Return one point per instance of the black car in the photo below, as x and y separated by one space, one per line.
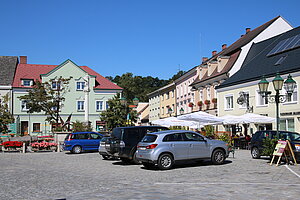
256 144
124 140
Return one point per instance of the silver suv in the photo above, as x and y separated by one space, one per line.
165 147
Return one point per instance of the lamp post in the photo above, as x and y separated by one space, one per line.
278 82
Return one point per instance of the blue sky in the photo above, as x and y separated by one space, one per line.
145 37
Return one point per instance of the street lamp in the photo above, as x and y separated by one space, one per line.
278 82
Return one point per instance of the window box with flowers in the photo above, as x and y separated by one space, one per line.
43 146
191 104
207 102
200 104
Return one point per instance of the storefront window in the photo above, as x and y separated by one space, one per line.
287 124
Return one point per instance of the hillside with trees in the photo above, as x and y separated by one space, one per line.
140 87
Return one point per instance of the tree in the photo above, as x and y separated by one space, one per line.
47 97
5 116
117 114
81 126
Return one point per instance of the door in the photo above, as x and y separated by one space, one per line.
24 127
198 146
94 140
177 145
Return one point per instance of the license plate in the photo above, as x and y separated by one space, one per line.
142 148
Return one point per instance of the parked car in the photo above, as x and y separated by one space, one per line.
104 148
256 143
165 148
82 141
124 141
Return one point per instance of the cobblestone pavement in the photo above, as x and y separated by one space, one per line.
87 176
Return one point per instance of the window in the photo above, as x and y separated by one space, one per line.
55 85
99 105
149 138
80 105
24 105
261 101
27 82
208 93
173 137
163 109
193 137
167 95
80 85
95 136
228 102
162 97
36 127
107 106
201 95
287 124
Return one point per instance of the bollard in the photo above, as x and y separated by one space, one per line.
58 147
24 147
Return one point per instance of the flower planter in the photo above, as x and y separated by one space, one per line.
43 146
12 146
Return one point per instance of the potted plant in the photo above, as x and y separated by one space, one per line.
207 102
200 103
191 104
214 100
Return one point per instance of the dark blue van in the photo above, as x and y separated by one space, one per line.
82 141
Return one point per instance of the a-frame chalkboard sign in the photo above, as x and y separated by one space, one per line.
283 148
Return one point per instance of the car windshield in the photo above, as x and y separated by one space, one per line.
294 136
149 138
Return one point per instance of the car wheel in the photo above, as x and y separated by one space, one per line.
148 165
134 160
105 157
165 161
255 153
218 157
77 149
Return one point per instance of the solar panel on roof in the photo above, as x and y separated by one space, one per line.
286 44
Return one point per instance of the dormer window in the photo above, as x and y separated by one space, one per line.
27 82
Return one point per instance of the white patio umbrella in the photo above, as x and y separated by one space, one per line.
246 119
256 118
173 121
232 119
202 118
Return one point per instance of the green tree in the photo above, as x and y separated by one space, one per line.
117 114
78 126
268 146
5 116
47 97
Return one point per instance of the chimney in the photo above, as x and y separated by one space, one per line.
204 59
248 30
23 59
213 53
224 46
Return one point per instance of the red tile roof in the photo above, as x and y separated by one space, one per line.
34 71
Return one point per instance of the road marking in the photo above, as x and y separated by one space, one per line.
269 184
292 171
